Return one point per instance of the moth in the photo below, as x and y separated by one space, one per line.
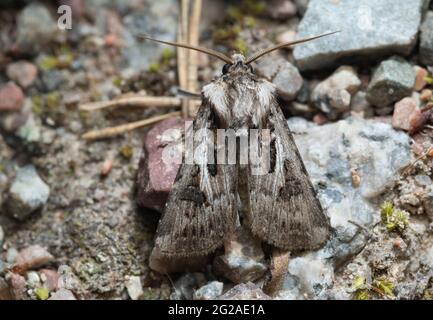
280 207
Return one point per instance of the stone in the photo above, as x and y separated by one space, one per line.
360 104
286 36
49 279
67 279
27 193
62 294
159 163
33 279
185 285
33 257
245 291
312 274
393 80
420 81
134 287
22 72
426 95
5 292
158 18
243 259
333 95
369 29
281 9
210 291
406 112
281 73
11 97
426 42
11 255
35 28
17 285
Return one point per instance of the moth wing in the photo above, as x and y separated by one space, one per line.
201 208
283 209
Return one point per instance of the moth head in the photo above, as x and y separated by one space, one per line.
238 65
237 61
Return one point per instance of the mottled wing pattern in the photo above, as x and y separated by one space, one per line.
283 208
201 208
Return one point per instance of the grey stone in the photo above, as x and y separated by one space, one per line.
369 28
392 80
359 103
27 193
333 95
33 280
426 42
243 259
210 291
36 27
245 291
11 255
281 73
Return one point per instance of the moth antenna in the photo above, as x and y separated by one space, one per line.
259 54
210 52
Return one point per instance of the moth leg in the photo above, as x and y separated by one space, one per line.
277 271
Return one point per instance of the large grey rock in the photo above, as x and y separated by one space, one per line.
36 28
331 153
393 80
369 28
426 43
27 193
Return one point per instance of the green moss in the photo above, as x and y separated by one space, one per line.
42 293
117 81
361 295
429 79
393 219
383 286
37 104
250 22
154 67
254 7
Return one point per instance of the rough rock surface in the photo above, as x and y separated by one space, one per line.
393 80
369 28
426 42
245 291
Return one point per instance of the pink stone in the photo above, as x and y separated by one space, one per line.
11 97
22 72
49 278
320 119
420 82
405 111
157 170
17 285
33 257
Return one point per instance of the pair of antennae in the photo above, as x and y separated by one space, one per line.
225 58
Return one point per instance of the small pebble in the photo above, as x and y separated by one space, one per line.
134 287
11 255
33 279
106 167
426 95
421 74
22 72
11 97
